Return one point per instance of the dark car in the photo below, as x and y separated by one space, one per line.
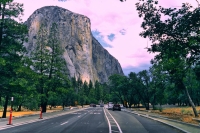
116 107
92 105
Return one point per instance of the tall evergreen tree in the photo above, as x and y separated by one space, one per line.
41 59
57 65
49 63
12 37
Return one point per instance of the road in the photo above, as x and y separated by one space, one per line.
93 120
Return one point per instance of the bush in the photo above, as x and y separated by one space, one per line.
186 112
160 109
182 111
32 105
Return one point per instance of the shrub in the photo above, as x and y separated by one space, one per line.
160 109
182 111
188 112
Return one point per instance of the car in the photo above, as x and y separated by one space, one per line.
110 105
116 107
101 105
92 105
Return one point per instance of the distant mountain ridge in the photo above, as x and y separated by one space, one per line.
85 56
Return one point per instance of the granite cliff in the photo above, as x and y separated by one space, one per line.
85 56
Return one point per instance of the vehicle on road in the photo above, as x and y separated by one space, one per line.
110 105
101 105
92 105
116 107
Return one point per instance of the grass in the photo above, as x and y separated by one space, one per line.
27 112
184 114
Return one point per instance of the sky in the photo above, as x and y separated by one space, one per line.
114 24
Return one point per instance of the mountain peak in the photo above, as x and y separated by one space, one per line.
85 56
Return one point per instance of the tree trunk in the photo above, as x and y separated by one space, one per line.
138 105
147 106
122 102
197 102
191 103
19 107
63 105
5 107
44 107
129 104
153 105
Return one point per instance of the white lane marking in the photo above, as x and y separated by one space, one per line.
36 120
79 116
108 121
64 123
115 122
115 131
75 113
96 113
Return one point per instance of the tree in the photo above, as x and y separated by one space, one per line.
145 80
48 63
135 87
117 84
57 64
158 85
12 36
74 84
41 60
179 33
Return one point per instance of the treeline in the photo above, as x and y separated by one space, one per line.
152 87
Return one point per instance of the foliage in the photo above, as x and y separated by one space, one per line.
179 33
12 36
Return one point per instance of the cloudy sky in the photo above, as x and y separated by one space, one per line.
114 24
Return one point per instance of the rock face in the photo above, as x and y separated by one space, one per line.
85 56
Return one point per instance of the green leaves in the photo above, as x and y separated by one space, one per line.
175 39
49 64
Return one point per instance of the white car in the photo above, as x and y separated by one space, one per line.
110 105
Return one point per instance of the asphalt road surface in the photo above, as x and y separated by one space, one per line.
94 120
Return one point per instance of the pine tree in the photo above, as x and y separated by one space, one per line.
41 58
12 36
48 63
57 66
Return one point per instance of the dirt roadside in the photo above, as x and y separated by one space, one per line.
184 114
25 112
